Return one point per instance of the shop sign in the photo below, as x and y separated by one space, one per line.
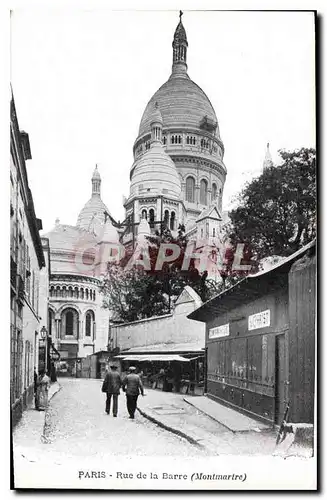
259 320
219 331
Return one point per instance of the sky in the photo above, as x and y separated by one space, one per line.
82 78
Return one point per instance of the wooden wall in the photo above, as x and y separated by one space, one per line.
302 312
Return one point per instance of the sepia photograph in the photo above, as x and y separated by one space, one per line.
163 288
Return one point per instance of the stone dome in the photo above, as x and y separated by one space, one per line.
92 214
182 103
155 173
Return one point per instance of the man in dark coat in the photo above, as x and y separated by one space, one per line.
133 386
112 384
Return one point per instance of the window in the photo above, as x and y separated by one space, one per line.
144 214
214 192
164 141
172 221
69 323
151 216
190 140
88 325
166 218
190 189
203 192
207 229
213 232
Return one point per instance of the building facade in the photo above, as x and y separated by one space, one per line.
26 264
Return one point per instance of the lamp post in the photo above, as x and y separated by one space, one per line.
44 336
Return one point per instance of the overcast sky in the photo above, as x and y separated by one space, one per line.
82 79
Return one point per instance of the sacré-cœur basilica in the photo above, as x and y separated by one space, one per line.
177 177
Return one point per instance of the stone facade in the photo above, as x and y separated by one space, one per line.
26 264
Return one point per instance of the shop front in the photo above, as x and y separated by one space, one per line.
169 372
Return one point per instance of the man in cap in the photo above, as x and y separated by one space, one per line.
133 386
111 385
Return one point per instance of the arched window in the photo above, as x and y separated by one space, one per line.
151 217
70 292
203 192
69 323
87 294
82 293
89 324
144 214
213 232
190 189
76 293
166 218
179 140
172 221
214 192
164 140
64 292
172 139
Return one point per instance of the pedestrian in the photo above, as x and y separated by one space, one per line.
42 391
132 385
111 386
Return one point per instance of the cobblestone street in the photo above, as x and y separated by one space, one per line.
76 425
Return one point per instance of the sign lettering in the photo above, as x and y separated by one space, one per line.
219 331
259 320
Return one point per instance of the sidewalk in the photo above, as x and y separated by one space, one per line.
29 430
185 416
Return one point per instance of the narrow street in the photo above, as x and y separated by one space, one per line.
77 426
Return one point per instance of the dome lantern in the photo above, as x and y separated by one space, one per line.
179 48
96 182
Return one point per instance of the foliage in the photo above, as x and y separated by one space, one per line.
277 211
138 293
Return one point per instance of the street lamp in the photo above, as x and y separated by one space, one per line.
44 336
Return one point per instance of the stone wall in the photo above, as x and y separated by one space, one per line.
170 329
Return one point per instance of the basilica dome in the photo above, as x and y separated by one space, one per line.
182 104
92 216
155 173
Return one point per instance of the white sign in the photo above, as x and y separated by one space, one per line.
219 331
259 320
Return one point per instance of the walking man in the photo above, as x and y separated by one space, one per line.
111 385
133 386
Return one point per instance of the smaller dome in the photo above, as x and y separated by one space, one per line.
155 173
92 214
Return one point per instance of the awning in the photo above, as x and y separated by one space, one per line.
153 357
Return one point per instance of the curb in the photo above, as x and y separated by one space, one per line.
209 416
44 439
170 429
